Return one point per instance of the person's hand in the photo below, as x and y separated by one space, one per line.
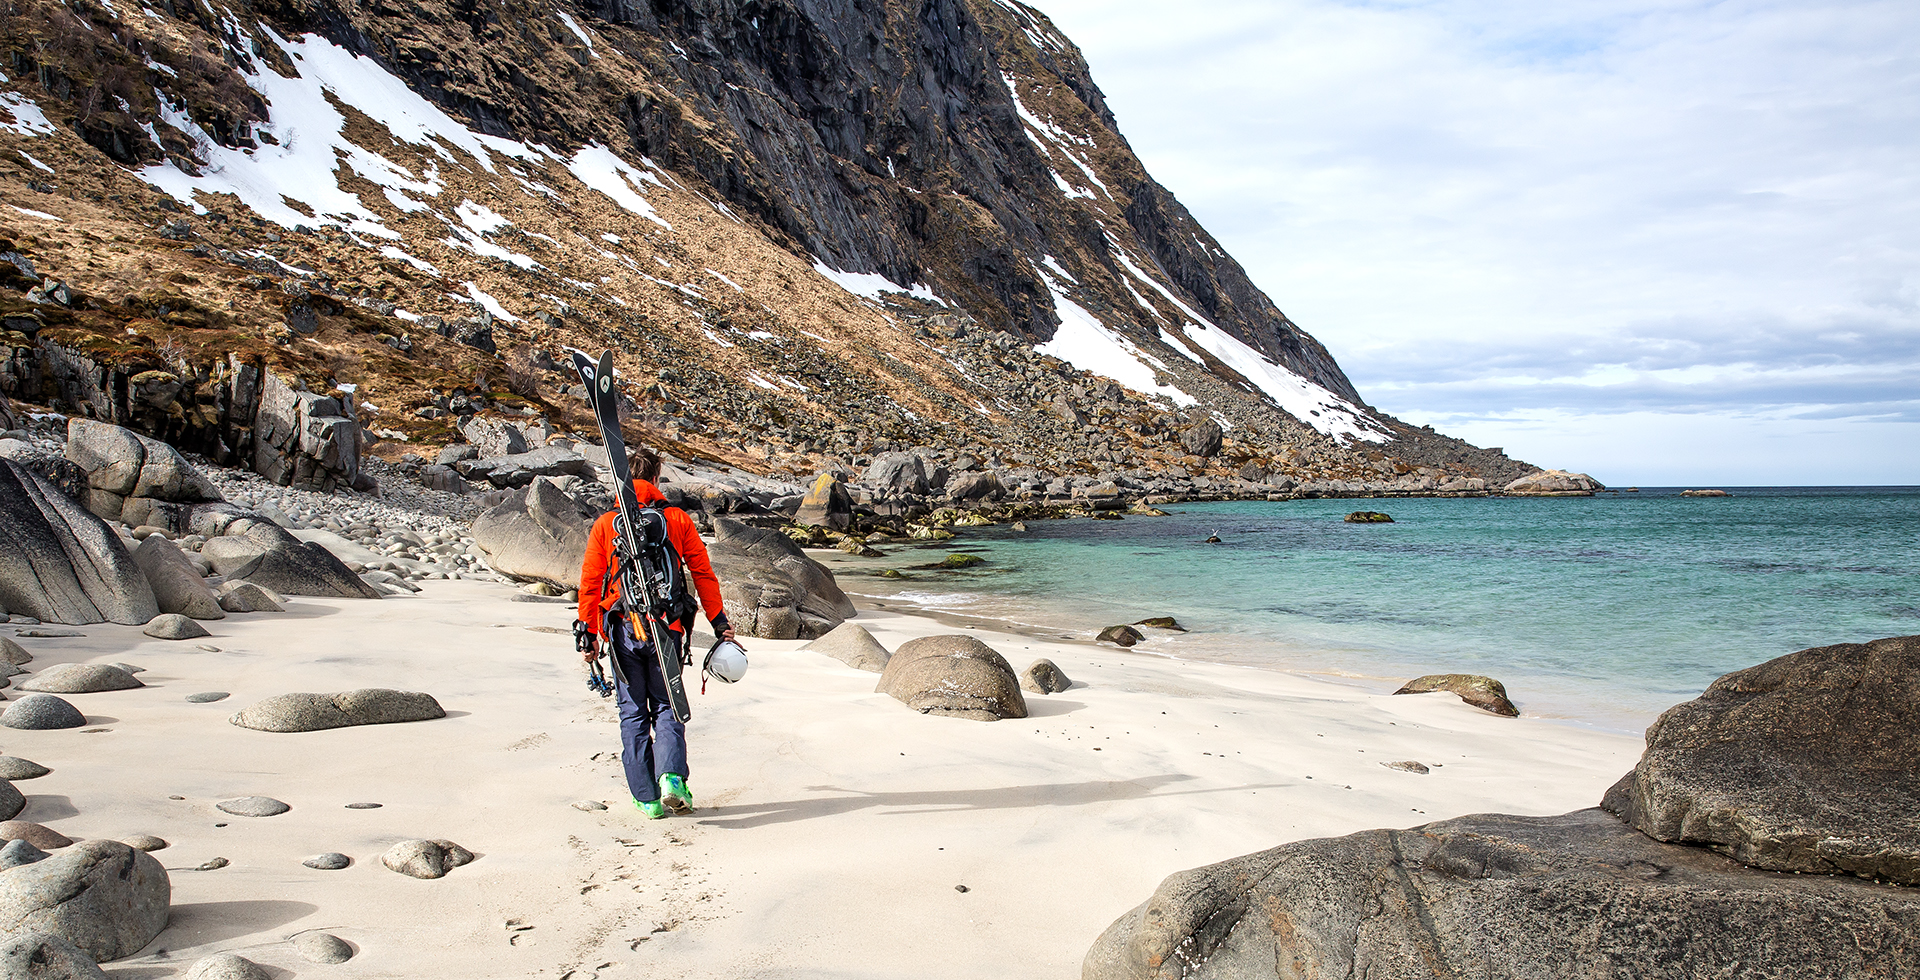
727 634
590 649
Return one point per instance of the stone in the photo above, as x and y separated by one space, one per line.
321 947
317 712
514 472
226 966
18 852
145 842
1805 763
970 487
41 712
14 768
425 858
1125 636
243 596
14 653
1554 483
62 564
1480 691
213 864
1368 517
80 679
125 464
33 833
771 588
1203 439
207 697
253 806
1162 623
100 895
851 644
493 437
1043 677
897 473
267 555
957 676
450 455
39 956
177 585
1580 895
540 534
588 805
444 479
330 861
11 801
959 561
173 626
1408 765
827 504
1705 493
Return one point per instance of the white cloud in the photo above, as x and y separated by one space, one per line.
1600 217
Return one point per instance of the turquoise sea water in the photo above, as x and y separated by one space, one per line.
1603 610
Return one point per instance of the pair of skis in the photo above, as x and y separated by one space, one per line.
646 597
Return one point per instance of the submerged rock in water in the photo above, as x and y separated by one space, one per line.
1478 690
1125 636
1368 517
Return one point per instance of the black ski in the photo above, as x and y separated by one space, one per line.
645 590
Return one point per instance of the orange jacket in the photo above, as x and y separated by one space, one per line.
600 588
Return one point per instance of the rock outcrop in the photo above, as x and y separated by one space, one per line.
305 440
62 564
1806 763
539 535
316 712
1545 898
267 555
956 676
128 470
1554 483
100 895
1478 690
772 589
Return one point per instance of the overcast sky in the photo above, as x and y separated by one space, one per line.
1661 242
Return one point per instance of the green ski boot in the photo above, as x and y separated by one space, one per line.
652 809
674 793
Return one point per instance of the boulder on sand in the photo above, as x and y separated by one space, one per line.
540 534
100 895
177 585
81 679
14 653
39 956
62 564
1043 677
1125 636
772 589
42 712
267 555
173 626
317 712
425 858
1480 691
226 966
851 644
953 675
242 596
1577 895
1805 763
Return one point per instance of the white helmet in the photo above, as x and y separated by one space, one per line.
726 661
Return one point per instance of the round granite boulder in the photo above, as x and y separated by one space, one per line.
14 653
953 675
1043 677
322 947
226 966
33 833
317 712
253 806
42 712
80 679
174 626
100 895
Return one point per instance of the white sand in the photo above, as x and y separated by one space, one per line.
834 822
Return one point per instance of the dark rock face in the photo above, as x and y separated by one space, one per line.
62 564
1804 763
958 676
100 895
1482 692
1580 895
827 504
1125 636
513 472
540 535
316 712
122 465
265 554
1202 440
770 586
303 439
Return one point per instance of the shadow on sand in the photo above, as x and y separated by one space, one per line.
747 815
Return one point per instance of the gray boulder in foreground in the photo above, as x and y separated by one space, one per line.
316 712
38 956
851 644
242 596
1043 676
62 564
1581 896
1809 762
957 676
42 712
100 895
174 626
540 534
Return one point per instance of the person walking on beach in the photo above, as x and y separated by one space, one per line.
653 742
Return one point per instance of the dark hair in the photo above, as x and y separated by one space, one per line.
643 464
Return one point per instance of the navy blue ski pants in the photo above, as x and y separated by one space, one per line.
653 741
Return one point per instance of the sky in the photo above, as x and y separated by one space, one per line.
1663 243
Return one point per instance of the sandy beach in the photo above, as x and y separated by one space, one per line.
835 826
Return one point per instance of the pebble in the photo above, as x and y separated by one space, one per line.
253 806
145 842
330 861
214 865
1407 766
320 947
363 806
589 805
205 697
209 648
13 768
42 712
